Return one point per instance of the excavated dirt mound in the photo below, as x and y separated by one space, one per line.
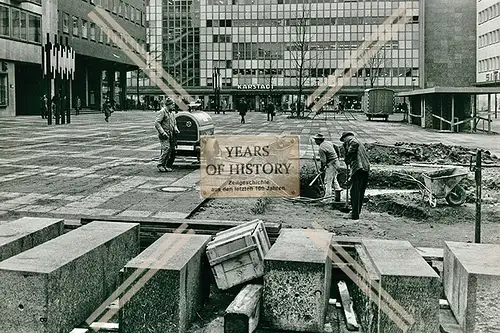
402 153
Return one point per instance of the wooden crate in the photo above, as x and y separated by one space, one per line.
237 255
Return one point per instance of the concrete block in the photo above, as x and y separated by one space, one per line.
410 282
297 279
57 285
27 232
176 286
472 285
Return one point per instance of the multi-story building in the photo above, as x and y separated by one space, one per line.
20 56
272 47
101 65
488 43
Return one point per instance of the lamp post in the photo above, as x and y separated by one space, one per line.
216 78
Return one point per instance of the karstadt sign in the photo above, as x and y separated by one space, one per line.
255 86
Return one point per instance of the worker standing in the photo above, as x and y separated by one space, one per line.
166 126
357 160
330 163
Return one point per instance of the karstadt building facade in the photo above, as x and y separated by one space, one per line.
259 46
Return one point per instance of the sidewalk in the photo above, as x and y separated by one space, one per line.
91 167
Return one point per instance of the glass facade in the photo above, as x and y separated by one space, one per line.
278 43
488 42
271 40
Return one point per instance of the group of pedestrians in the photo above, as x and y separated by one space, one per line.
358 166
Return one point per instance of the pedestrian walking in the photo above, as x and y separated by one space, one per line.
108 109
44 106
243 108
271 111
166 126
329 155
78 105
357 160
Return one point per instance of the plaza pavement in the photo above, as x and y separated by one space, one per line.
91 167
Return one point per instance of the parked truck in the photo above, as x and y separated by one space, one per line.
378 103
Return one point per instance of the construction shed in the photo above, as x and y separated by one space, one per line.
449 109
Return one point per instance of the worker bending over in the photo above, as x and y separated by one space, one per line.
330 163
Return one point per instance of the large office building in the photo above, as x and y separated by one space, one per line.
101 64
488 43
20 56
267 48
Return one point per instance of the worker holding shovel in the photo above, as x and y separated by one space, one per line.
329 157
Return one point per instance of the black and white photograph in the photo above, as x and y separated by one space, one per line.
249 166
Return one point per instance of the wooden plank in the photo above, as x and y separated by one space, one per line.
177 222
231 255
104 327
350 316
448 323
242 315
429 253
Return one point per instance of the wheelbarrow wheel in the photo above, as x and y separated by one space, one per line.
457 196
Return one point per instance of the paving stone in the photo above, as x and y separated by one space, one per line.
472 285
409 281
169 300
58 284
27 232
297 278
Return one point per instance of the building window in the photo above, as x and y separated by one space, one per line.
127 9
92 31
99 35
4 21
65 23
85 27
132 14
4 101
75 26
137 16
18 24
34 29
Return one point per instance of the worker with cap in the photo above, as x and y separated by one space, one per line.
357 160
329 157
166 126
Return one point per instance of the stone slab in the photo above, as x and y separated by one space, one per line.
471 277
27 232
409 281
179 283
58 284
297 279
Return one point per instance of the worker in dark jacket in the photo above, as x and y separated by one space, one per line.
356 159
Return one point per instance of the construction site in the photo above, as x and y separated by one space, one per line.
93 239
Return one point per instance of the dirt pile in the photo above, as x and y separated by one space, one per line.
402 153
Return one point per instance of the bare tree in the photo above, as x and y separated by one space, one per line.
301 53
373 66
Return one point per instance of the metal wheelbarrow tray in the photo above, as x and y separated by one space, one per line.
441 184
445 184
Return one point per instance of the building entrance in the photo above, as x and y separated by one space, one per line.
28 89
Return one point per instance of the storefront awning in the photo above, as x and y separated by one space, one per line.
451 90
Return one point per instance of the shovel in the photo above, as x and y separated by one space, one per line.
346 208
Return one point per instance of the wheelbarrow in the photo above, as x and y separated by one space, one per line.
440 184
